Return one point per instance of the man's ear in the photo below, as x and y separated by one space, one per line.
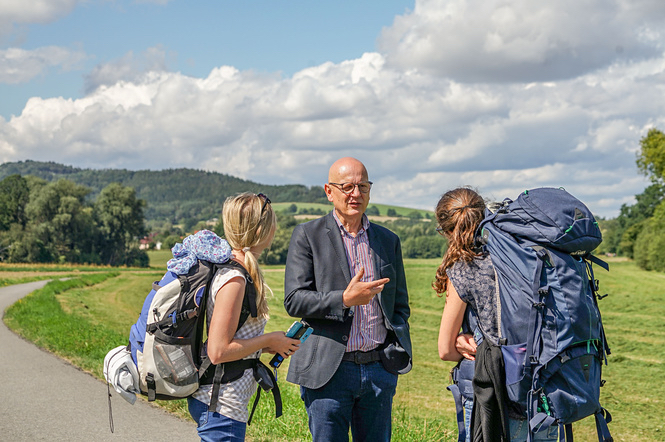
328 190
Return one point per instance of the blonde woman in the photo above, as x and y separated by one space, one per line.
249 228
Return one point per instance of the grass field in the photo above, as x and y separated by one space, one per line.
82 318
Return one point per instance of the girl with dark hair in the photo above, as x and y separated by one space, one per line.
466 276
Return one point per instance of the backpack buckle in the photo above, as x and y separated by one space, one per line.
533 359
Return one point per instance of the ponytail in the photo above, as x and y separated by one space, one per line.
458 212
248 221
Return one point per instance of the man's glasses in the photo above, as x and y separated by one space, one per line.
265 199
348 188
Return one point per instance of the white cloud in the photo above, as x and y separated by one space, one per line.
34 11
20 65
421 129
522 40
127 68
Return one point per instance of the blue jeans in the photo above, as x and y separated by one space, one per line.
468 408
517 428
359 396
212 426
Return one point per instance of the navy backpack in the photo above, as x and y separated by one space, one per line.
550 329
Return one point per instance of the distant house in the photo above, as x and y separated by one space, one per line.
148 242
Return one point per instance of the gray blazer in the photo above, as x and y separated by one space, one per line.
317 274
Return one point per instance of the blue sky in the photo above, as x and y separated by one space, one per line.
501 95
195 37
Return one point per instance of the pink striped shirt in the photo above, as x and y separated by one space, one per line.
368 330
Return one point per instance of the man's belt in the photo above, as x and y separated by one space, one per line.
362 357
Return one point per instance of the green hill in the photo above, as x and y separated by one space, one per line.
172 194
177 195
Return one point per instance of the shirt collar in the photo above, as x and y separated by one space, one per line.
363 228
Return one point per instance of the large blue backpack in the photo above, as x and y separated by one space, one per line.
551 333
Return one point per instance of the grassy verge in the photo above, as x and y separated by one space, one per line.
41 319
83 318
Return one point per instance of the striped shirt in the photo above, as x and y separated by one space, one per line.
368 330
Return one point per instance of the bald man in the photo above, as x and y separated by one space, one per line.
344 275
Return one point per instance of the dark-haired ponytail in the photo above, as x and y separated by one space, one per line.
458 212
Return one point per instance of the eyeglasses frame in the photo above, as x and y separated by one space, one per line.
354 187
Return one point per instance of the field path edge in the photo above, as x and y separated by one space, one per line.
45 398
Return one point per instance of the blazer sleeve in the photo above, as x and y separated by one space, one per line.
311 286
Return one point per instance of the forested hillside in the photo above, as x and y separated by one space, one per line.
639 230
173 195
50 212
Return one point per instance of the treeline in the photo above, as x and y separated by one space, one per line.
639 230
174 195
55 222
419 239
55 213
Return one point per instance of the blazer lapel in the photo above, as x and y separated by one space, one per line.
338 245
376 251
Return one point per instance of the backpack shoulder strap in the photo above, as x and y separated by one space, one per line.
214 374
598 261
249 301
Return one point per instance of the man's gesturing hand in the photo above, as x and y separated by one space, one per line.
361 293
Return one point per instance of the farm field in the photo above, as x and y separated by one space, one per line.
82 318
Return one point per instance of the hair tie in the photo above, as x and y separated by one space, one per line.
245 249
463 207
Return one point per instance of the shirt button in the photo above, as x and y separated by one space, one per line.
345 338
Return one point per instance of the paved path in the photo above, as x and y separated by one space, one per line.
44 398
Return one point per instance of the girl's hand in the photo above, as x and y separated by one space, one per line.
466 346
279 343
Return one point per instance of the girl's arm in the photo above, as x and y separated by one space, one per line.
451 322
222 347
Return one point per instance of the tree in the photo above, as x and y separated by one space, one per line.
621 237
59 220
372 211
276 253
119 218
14 196
414 214
651 158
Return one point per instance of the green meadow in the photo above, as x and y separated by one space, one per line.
83 317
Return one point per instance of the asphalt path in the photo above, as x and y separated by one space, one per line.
45 398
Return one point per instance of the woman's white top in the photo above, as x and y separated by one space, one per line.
234 396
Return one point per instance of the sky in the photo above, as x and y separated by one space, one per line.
500 95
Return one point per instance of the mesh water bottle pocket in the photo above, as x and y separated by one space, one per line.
175 364
518 383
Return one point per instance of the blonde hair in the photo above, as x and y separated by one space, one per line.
249 220
458 212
